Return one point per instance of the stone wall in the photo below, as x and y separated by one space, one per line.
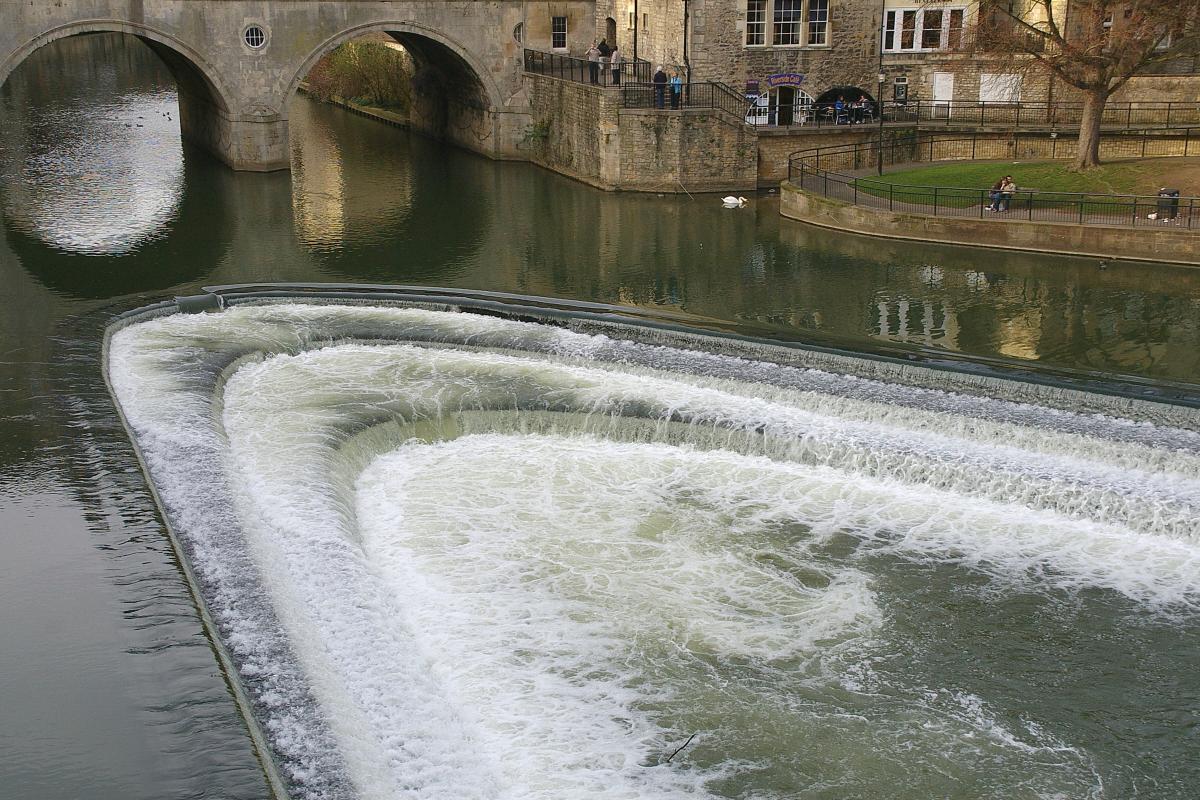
1160 89
776 145
1143 244
696 150
660 29
582 131
718 51
565 133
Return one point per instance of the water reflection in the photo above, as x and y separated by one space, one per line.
355 198
370 203
96 195
101 183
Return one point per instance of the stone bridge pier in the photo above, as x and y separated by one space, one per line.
238 63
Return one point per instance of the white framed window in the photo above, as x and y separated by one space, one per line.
793 23
756 23
922 29
787 22
558 33
818 22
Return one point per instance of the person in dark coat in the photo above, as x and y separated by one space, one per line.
660 88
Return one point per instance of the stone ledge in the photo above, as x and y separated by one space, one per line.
1171 246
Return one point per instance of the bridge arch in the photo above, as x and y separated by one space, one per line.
193 74
406 30
462 99
207 105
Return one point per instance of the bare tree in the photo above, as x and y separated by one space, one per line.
1092 45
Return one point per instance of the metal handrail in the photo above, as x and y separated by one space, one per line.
1129 115
805 171
573 68
698 94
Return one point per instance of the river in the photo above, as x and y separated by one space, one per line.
109 687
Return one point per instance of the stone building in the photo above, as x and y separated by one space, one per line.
791 52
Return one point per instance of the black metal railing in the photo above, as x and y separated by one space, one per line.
581 70
927 114
704 94
826 171
1126 115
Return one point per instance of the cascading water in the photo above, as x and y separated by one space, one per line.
456 556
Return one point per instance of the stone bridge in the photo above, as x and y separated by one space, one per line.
238 63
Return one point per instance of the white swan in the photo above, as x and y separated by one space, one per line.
734 202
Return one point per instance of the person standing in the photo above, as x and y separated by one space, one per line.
616 59
593 57
605 52
660 87
676 89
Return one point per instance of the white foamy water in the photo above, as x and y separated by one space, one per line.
476 558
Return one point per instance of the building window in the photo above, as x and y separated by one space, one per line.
756 22
922 29
787 22
254 36
818 21
794 23
954 34
931 29
558 33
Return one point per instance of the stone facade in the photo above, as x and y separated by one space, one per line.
718 51
582 131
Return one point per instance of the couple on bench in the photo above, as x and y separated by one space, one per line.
1002 192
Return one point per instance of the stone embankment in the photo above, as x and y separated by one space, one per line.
1165 243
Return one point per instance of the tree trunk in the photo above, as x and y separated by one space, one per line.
1089 129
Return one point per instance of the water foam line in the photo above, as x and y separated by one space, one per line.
911 365
229 673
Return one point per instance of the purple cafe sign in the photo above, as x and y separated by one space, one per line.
785 79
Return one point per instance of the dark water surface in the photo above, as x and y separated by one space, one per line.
108 687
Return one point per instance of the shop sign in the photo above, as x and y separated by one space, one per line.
785 79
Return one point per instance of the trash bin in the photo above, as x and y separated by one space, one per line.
1168 203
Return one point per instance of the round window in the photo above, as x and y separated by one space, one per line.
254 36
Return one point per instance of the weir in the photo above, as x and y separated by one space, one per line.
476 555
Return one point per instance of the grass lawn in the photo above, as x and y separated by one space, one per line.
1136 176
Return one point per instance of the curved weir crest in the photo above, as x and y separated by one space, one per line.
457 556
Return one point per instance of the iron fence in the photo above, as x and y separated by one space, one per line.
704 94
821 171
1129 115
929 114
580 70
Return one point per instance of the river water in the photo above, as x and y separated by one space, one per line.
109 686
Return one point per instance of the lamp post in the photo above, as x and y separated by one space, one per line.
687 67
881 76
879 102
